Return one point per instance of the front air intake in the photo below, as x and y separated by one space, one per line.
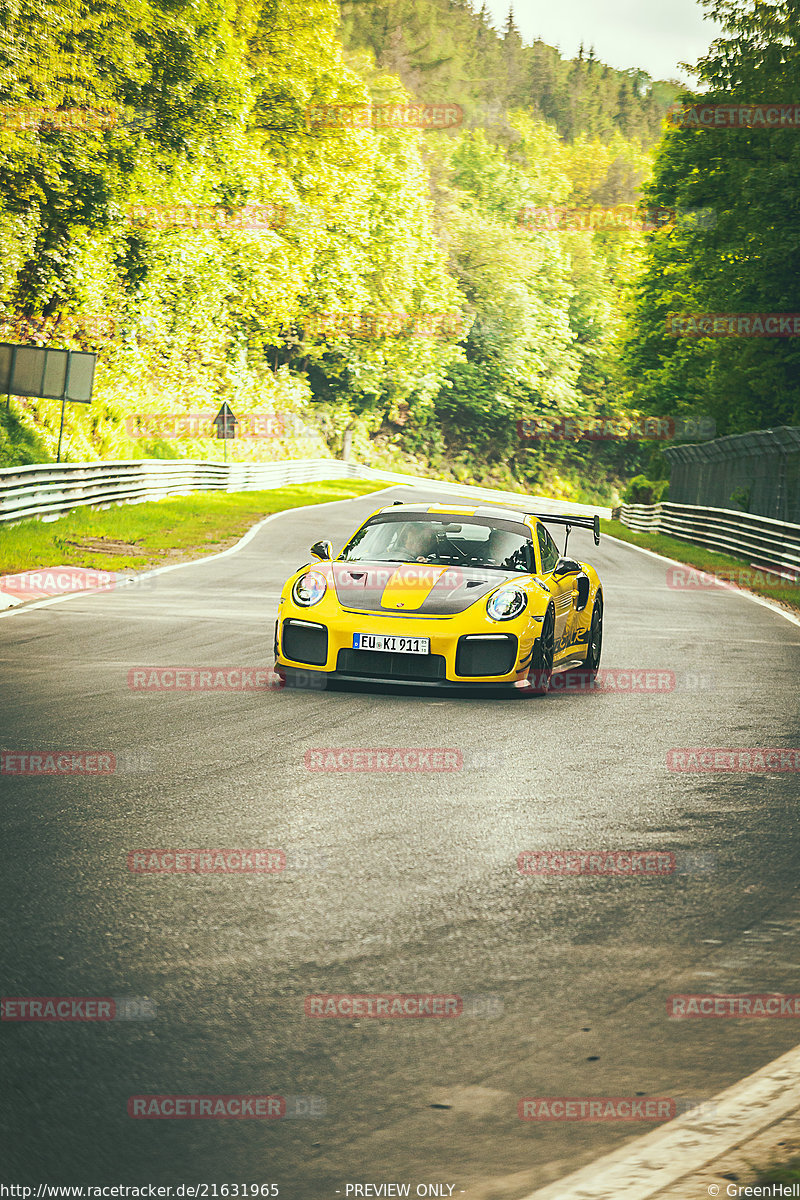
486 654
305 642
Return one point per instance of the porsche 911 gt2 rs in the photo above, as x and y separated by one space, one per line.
444 596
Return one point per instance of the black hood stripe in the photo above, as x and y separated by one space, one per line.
361 586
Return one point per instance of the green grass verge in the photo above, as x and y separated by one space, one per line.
735 570
788 1172
158 532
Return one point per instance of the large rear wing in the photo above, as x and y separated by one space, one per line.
571 523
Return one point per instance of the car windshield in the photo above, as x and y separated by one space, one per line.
468 541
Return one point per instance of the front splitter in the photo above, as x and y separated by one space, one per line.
304 677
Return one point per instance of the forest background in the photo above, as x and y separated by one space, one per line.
388 217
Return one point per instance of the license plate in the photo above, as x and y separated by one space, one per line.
391 643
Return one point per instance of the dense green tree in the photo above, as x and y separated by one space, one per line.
126 235
737 248
441 49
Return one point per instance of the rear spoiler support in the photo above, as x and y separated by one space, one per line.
571 523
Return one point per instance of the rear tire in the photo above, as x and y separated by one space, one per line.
541 669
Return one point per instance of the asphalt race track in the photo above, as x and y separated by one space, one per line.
396 882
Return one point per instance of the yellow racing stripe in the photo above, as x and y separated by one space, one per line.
410 585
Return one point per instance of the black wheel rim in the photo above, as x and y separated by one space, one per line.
548 643
542 659
545 648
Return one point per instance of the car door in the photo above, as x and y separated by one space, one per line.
561 587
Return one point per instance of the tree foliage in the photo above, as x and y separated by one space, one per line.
743 257
122 234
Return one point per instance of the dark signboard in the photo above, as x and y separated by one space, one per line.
39 371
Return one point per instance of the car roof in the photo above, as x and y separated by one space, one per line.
457 510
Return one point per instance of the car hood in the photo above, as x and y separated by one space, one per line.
421 588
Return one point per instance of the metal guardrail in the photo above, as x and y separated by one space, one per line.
52 489
47 490
762 540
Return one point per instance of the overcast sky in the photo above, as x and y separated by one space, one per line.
653 34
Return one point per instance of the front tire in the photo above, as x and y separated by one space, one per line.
541 670
595 646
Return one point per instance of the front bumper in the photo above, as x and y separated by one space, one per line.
472 652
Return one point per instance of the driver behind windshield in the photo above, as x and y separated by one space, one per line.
501 549
414 543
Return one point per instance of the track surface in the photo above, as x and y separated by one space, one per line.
410 885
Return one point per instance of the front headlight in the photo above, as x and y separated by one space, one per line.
506 603
309 589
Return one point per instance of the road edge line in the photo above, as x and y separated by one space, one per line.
195 562
776 608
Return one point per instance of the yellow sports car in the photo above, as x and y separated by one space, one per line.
443 595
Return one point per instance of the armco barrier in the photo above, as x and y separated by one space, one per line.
54 488
50 489
47 490
760 539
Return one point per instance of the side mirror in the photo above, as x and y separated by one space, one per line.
567 566
323 550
